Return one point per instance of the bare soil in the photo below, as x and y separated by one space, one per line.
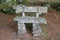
8 27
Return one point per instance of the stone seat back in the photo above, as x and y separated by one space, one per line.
37 9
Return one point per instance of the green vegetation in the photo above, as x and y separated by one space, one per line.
7 7
55 5
24 2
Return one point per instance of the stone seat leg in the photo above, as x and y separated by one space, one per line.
36 29
21 29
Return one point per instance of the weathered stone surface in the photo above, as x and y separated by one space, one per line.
18 8
30 9
43 9
21 28
36 29
28 19
21 8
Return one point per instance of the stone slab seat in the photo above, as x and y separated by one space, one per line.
28 19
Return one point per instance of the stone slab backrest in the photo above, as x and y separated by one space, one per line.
37 9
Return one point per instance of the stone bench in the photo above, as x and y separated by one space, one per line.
27 19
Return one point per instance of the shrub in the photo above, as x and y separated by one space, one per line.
44 3
55 6
22 1
8 11
7 7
